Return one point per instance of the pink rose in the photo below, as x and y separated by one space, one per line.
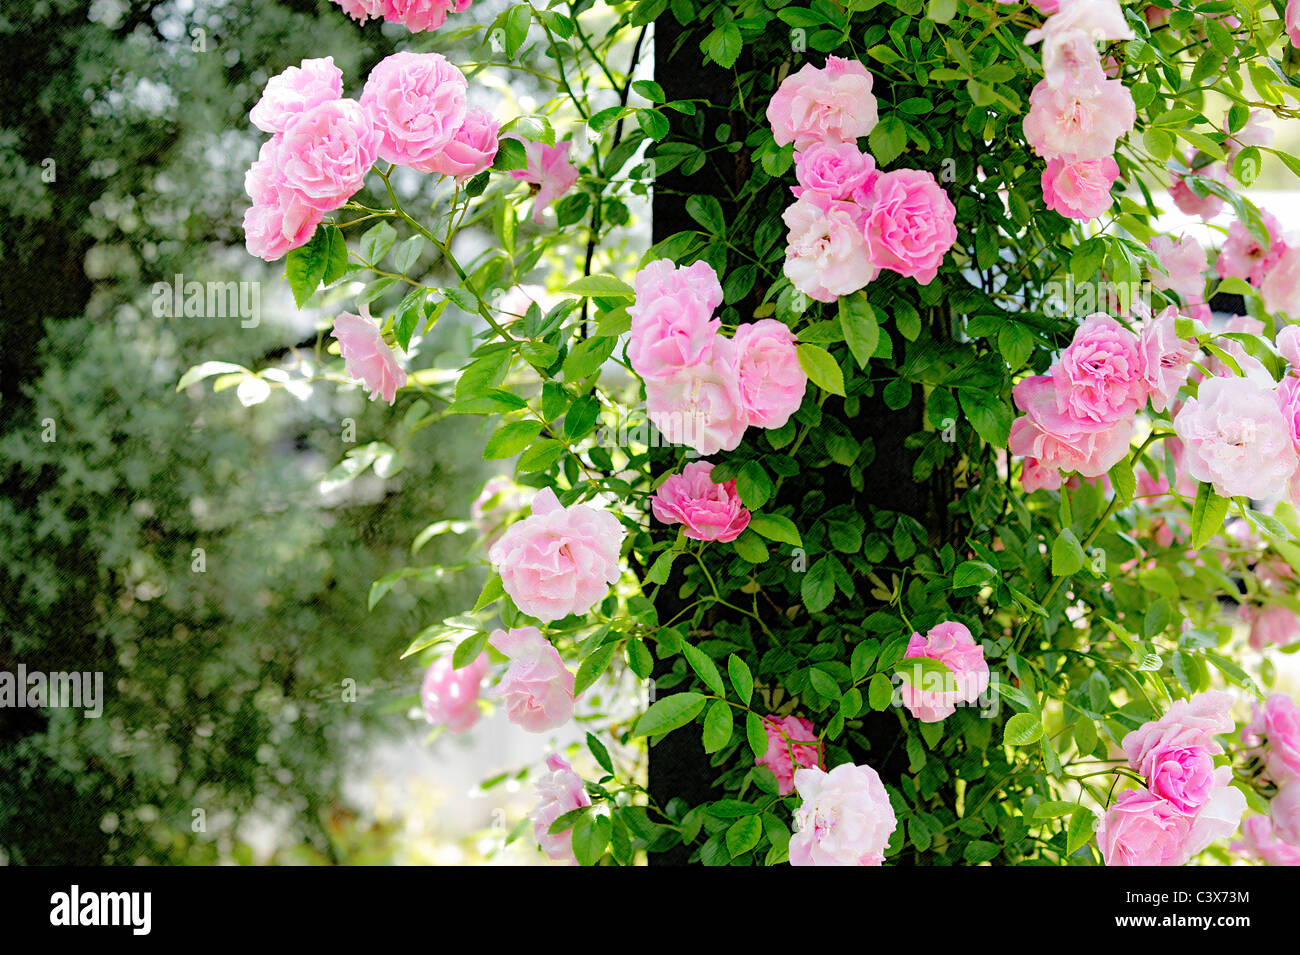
550 171
1284 812
295 91
1274 625
673 329
1175 756
450 696
1219 817
1244 257
1288 346
662 278
830 105
700 406
1188 202
710 511
1275 733
415 15
845 817
1288 402
951 644
1165 357
1053 440
559 561
326 152
279 219
833 171
786 753
1236 438
471 150
417 104
1258 840
1142 829
770 381
1192 722
1182 267
910 225
1100 377
367 357
1079 190
1292 21
559 791
1077 26
1280 287
1080 120
537 688
826 255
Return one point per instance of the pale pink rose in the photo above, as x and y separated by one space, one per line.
1188 202
450 696
1036 476
826 255
1142 829
1292 21
709 511
1100 377
279 219
833 171
1258 841
367 357
499 500
661 277
471 150
829 105
559 791
326 152
1275 734
700 406
1052 440
1288 402
951 644
1236 438
1079 190
1165 357
415 15
1274 625
296 90
417 102
1280 288
845 817
549 171
1182 267
1175 753
1284 811
1219 817
770 381
1244 257
1073 61
785 754
1288 346
1043 6
673 328
1079 121
537 688
1250 366
910 225
1156 16
1076 25
559 561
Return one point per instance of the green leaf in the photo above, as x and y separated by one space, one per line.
1208 513
776 528
988 414
860 326
707 211
307 266
754 485
376 242
517 22
1082 825
467 650
605 286
744 835
587 357
818 586
980 851
821 368
703 664
601 753
973 573
1067 554
880 692
723 45
671 712
510 439
593 666
718 725
755 734
591 837
1023 729
493 590
1123 479
742 680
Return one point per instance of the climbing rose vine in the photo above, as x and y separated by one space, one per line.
930 483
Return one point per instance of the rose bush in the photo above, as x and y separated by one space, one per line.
984 464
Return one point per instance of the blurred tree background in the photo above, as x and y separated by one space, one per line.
176 540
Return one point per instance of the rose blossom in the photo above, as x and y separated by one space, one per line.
673 329
845 817
1273 625
1219 817
1053 442
662 277
560 560
549 170
784 736
1292 21
1142 829
1243 256
1081 120
1079 190
416 15
417 103
910 225
1175 754
1258 840
367 357
1099 377
1284 812
326 152
833 170
296 90
1182 267
450 696
1165 357
829 105
710 511
700 406
1188 202
537 688
1280 288
559 791
279 219
826 255
1078 25
1236 438
1287 341
769 380
951 644
471 150
1275 731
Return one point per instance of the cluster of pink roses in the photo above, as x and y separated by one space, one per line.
845 818
707 511
416 15
413 112
1273 268
952 644
849 220
1080 417
1076 112
1272 740
704 389
1189 802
